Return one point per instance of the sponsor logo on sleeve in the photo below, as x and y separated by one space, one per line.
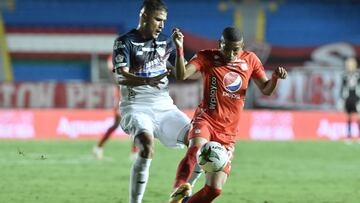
119 45
119 58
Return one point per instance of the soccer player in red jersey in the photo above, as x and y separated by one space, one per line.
226 73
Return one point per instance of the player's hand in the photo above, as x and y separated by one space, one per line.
156 81
178 37
279 72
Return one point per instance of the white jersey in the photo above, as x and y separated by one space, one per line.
145 58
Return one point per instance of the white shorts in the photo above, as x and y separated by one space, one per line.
165 122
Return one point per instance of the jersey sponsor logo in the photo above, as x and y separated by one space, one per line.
119 58
119 45
231 95
213 90
155 64
232 82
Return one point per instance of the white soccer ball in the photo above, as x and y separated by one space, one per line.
212 157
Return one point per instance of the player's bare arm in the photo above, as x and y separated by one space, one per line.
267 86
182 71
133 80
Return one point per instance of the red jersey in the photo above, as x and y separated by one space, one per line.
225 87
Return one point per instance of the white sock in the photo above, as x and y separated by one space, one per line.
139 176
195 175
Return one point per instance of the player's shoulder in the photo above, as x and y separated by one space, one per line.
248 54
127 37
208 53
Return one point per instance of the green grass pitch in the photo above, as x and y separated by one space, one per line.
262 172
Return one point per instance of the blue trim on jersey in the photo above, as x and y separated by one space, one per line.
150 74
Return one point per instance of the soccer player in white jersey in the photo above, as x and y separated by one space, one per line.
147 111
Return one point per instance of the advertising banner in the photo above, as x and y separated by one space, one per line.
91 124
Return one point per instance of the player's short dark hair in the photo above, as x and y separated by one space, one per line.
232 34
153 5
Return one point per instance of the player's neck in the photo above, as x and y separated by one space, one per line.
143 34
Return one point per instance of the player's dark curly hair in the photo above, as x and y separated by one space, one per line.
153 5
232 34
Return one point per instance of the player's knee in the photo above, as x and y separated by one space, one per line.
147 150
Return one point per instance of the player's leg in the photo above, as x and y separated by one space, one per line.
349 106
134 151
182 185
175 122
140 126
214 182
212 188
349 125
188 163
140 170
98 149
173 132
110 131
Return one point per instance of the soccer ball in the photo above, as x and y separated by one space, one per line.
212 157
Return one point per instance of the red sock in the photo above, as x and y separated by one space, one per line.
206 195
186 166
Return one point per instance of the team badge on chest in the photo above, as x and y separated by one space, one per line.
244 66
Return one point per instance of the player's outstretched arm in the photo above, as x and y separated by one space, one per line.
267 86
182 71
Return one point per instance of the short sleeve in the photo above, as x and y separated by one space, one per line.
258 68
198 60
121 54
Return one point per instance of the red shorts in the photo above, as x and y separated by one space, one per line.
201 128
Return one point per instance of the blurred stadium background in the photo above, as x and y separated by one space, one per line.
55 84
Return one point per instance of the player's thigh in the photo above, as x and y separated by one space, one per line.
135 123
216 179
202 129
173 127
